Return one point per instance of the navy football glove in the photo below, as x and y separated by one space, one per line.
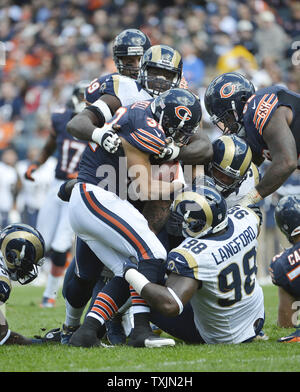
131 262
65 189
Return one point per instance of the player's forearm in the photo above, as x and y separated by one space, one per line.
276 174
198 152
81 127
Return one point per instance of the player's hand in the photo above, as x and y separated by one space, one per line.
65 189
169 153
107 138
251 198
130 263
31 169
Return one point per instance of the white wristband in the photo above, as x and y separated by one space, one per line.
136 280
104 108
175 296
5 338
97 135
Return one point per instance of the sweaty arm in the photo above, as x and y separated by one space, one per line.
282 147
168 300
83 124
139 169
198 152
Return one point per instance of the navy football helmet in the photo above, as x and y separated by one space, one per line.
198 211
77 101
225 98
231 160
178 111
287 216
22 249
130 42
160 69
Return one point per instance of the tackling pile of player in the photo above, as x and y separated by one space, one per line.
180 252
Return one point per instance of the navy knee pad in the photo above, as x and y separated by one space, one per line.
78 291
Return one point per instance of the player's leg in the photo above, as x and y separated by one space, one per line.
60 251
105 221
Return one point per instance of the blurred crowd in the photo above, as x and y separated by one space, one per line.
48 46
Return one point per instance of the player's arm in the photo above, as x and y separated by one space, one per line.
83 125
169 299
44 154
198 152
286 311
282 147
139 168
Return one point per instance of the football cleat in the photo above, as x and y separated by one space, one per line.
87 334
147 338
115 331
67 333
292 338
47 303
52 336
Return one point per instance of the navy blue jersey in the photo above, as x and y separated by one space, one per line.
286 270
96 88
260 108
127 90
69 150
138 128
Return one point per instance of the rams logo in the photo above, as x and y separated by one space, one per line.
181 111
227 90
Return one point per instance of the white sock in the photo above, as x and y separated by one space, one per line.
73 315
52 286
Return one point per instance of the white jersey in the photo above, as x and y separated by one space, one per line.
230 299
126 89
251 180
8 182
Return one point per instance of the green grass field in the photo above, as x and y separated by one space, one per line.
25 316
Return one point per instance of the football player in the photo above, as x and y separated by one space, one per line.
22 250
285 267
119 229
52 220
214 268
269 119
161 68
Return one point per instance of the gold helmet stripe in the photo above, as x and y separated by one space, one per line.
202 202
228 152
176 58
156 53
27 236
246 163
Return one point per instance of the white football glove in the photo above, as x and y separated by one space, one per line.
251 198
170 152
107 138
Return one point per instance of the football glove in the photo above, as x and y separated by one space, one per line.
65 189
4 292
169 153
107 138
252 197
31 169
131 262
